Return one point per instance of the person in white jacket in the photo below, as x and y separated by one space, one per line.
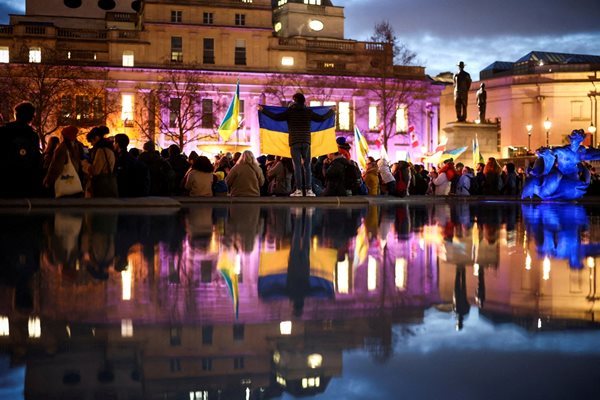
388 180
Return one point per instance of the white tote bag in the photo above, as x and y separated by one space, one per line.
68 182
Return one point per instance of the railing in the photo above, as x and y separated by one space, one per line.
35 30
330 45
121 17
81 33
128 34
6 29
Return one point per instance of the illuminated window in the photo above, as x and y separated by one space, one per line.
285 327
314 361
343 276
246 1
127 108
35 55
199 395
373 117
82 108
311 382
343 115
316 25
402 119
281 380
372 274
281 2
4 55
278 26
208 51
126 328
4 326
34 327
240 19
128 58
174 110
126 276
240 52
287 61
208 18
176 16
176 49
314 103
400 270
313 2
329 65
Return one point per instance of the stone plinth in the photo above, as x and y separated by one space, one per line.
461 134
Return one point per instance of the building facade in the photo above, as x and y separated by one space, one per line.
167 70
537 100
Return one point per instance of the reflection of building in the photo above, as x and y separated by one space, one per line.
562 88
273 48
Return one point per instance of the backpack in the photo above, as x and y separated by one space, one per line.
352 177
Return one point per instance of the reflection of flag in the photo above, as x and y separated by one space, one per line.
226 266
231 121
361 246
274 134
362 148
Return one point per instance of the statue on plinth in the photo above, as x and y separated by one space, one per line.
481 102
462 84
558 173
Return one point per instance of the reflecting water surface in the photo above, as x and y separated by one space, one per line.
454 301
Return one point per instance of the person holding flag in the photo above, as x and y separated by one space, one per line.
298 118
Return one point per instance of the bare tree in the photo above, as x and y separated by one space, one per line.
396 82
62 94
182 107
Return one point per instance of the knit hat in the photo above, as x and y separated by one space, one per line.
341 142
70 133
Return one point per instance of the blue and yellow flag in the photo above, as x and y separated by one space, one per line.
226 266
231 121
274 134
477 157
362 148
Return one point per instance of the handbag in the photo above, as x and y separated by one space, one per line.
68 182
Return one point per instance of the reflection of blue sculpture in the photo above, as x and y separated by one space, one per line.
558 173
557 230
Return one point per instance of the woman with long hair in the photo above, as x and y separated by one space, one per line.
68 149
199 179
246 177
280 174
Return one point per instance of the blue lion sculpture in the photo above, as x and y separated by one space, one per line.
558 173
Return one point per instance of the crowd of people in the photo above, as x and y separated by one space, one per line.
109 168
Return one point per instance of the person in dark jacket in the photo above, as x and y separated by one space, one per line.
160 171
180 166
20 157
133 177
298 118
335 173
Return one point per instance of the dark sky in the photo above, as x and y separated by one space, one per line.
443 32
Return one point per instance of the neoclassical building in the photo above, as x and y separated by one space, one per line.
537 100
167 70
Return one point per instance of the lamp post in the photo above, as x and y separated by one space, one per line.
592 131
529 128
547 127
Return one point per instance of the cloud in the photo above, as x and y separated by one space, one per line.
10 7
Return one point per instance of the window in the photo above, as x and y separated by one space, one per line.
127 107
176 49
126 328
208 18
240 119
175 336
238 332
4 55
207 364
238 363
82 108
208 51
4 326
66 108
176 16
240 52
373 117
98 109
128 58
246 1
175 364
240 19
281 2
402 119
35 55
344 115
207 113
207 334
174 109
313 2
287 61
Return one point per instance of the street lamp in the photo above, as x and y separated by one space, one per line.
547 127
529 128
592 131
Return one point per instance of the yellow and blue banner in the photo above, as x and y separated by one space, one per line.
226 267
362 148
477 157
231 121
274 135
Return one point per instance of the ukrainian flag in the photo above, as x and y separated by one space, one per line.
231 121
362 148
274 134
